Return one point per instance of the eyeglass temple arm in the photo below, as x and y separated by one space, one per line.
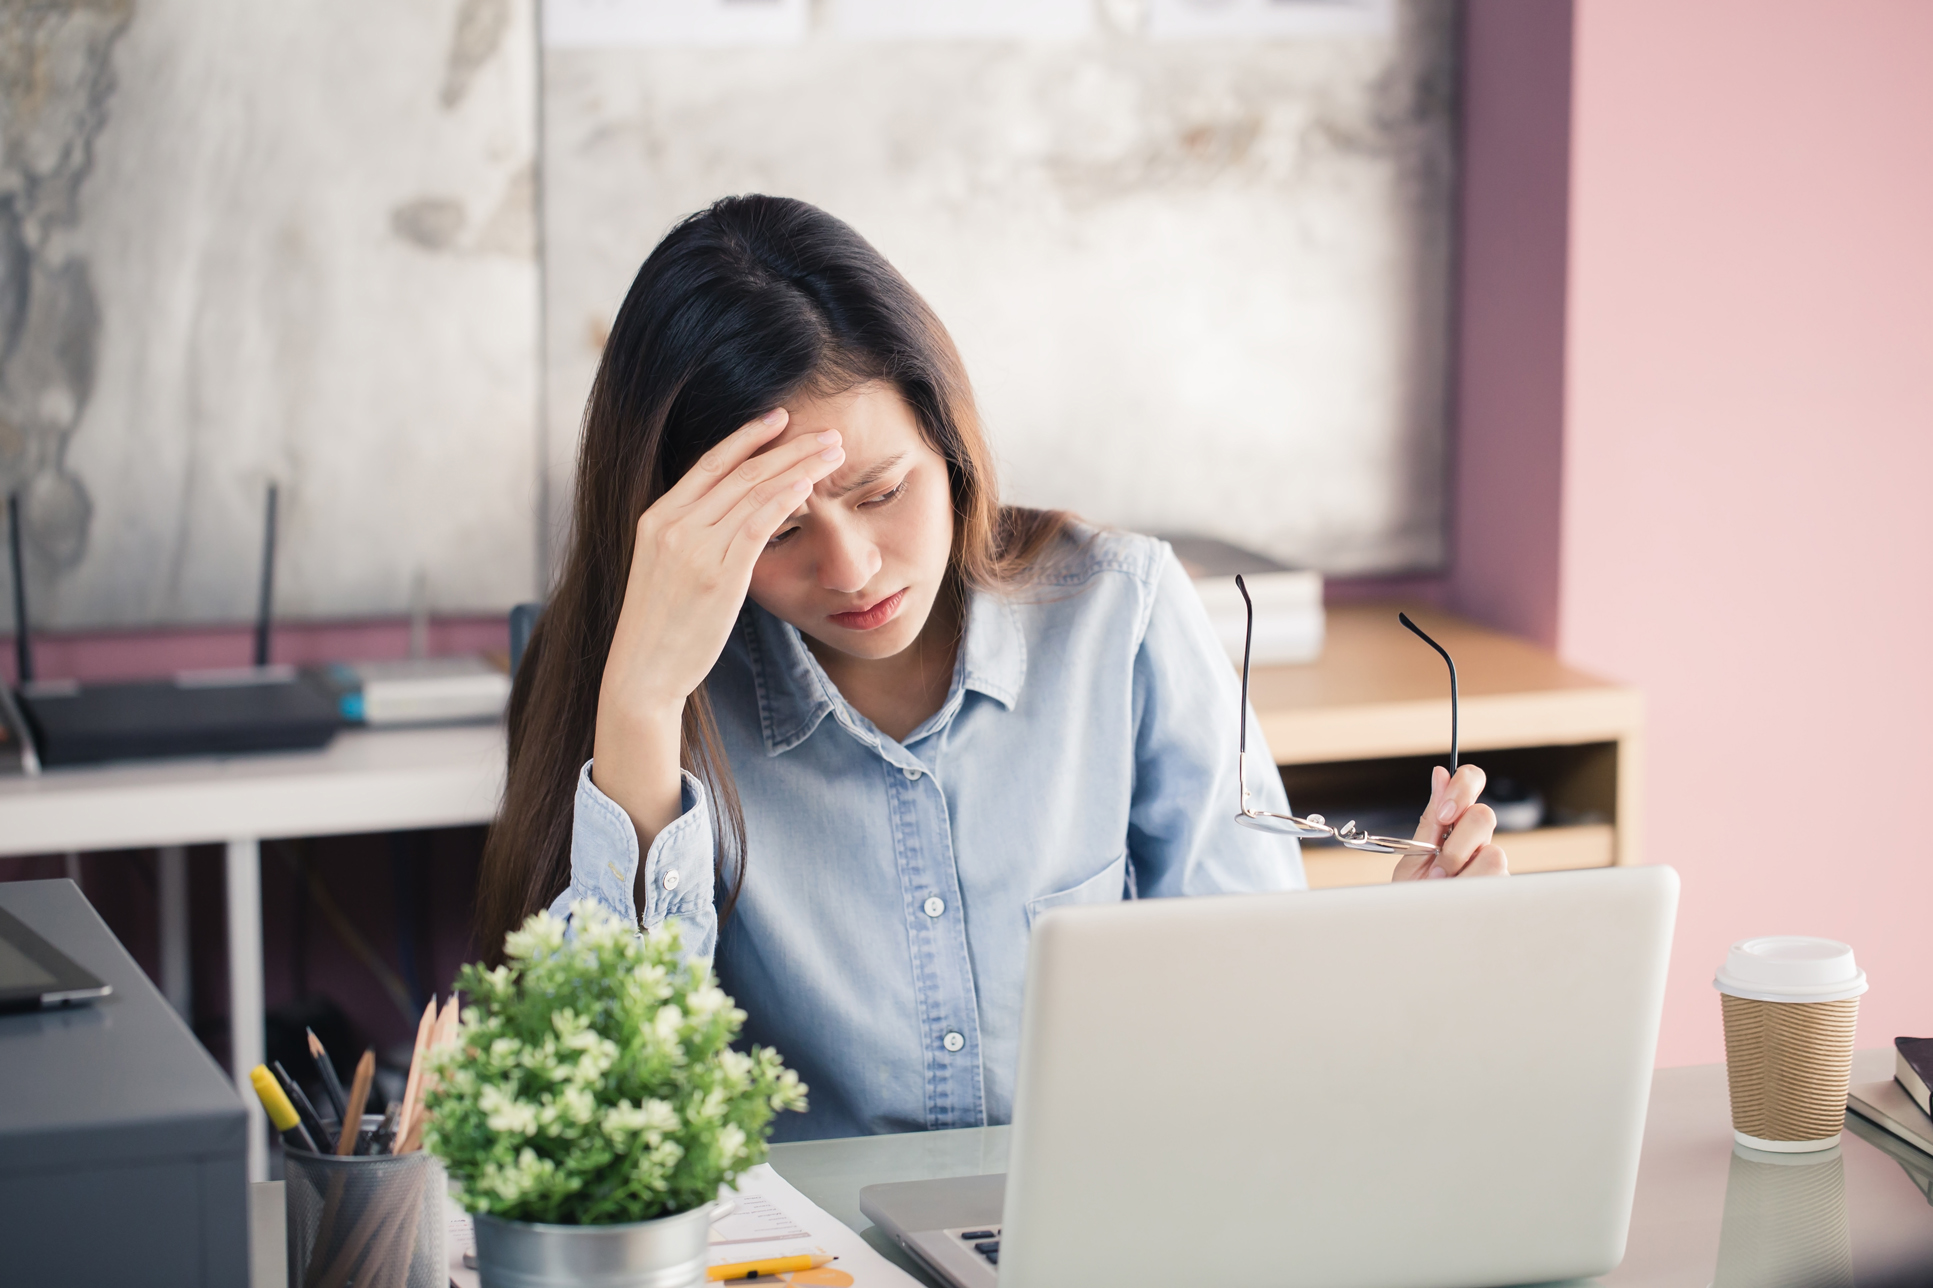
1241 724
1248 642
1420 634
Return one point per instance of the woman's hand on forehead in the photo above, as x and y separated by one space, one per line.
691 568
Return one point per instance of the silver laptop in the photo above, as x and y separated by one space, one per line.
1436 1084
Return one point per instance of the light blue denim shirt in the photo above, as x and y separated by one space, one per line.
1085 753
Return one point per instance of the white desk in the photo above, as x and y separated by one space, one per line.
364 781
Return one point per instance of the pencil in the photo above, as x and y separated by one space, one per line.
327 1068
769 1266
415 1081
414 1141
442 1034
446 1024
358 1097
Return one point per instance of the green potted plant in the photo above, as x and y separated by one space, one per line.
593 1105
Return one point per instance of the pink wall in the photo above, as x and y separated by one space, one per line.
1747 530
1510 314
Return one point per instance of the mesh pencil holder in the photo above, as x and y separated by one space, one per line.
371 1221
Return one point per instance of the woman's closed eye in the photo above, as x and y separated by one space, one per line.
891 494
872 502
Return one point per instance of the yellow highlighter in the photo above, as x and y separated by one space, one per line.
774 1266
280 1111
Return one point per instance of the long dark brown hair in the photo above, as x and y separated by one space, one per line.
740 307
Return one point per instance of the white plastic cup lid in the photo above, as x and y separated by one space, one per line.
1790 968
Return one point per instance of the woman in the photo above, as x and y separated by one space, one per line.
806 686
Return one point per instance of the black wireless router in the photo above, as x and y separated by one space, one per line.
196 713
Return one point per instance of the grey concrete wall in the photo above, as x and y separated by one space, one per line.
1198 284
302 248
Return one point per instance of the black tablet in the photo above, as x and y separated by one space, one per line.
34 974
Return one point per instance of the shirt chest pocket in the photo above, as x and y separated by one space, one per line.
1109 885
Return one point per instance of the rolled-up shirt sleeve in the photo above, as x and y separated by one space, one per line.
677 878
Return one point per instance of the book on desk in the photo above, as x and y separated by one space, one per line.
1900 1104
1289 617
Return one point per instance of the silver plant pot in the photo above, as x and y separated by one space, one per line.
670 1252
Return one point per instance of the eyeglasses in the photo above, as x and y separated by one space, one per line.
1314 826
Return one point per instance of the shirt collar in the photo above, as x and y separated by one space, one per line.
795 693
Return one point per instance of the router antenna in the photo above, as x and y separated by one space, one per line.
23 644
265 609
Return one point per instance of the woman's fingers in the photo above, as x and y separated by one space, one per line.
1412 867
1449 798
1490 861
810 455
1471 833
1427 828
724 457
763 508
1458 826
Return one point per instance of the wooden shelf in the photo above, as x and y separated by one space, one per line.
1548 849
1379 694
1379 691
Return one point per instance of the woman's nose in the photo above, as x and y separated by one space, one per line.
847 562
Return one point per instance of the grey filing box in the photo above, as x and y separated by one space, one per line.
123 1154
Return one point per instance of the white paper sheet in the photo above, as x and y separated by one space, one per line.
461 1243
768 1202
755 1219
771 1220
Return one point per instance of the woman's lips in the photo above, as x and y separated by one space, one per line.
867 619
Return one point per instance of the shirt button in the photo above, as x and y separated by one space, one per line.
953 1042
912 774
934 906
671 879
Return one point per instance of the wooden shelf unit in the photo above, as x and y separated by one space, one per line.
1364 723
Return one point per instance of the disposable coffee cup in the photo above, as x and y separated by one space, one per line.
1791 1007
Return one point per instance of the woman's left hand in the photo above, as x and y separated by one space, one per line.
1463 828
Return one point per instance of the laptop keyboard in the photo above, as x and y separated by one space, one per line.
985 1242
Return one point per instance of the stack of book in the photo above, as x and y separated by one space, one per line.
1289 621
422 690
1902 1106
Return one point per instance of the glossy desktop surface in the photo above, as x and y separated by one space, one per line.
1705 1214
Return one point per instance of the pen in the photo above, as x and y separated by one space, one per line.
280 1111
327 1068
770 1266
300 1099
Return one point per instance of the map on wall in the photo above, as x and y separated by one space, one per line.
291 242
1200 284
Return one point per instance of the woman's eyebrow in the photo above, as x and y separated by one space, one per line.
878 470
